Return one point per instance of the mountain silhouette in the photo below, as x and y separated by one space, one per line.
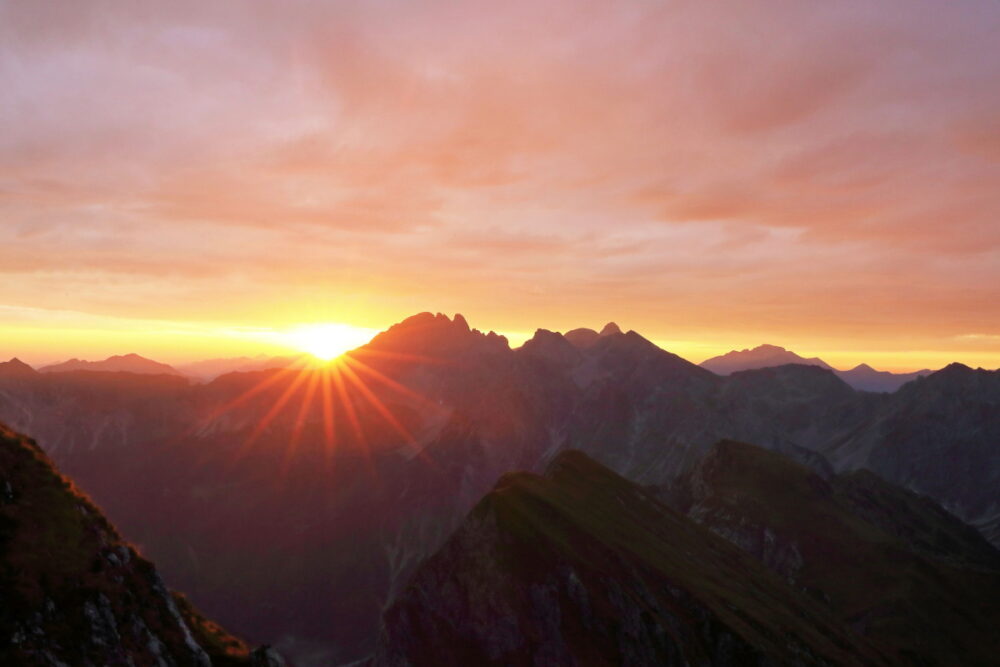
16 368
762 356
126 363
866 378
862 377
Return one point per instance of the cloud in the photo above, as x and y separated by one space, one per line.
802 164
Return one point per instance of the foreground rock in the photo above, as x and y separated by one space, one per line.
74 593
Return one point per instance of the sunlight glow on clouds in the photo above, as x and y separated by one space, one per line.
815 172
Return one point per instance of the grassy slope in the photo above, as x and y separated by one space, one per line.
684 580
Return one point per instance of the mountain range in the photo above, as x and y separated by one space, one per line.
862 377
125 363
283 483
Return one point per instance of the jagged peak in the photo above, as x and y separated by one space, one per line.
435 330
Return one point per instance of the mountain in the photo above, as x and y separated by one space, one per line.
584 338
937 436
865 378
16 368
762 356
209 369
918 583
390 447
126 363
862 377
75 592
581 566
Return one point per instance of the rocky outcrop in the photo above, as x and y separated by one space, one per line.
74 593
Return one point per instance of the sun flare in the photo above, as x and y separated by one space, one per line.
327 341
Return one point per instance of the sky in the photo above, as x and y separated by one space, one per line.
191 179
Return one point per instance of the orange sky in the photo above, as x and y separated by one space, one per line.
186 179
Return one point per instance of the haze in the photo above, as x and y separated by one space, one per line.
189 179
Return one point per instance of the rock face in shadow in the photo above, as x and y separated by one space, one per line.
583 567
74 592
918 583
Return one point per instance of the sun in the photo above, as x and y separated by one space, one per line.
327 341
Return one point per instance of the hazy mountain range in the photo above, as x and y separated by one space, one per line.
319 496
862 376
126 363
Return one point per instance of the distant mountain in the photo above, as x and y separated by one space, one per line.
584 338
210 369
762 356
16 368
583 567
862 377
865 378
126 363
75 592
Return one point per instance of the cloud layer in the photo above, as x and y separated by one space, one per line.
817 171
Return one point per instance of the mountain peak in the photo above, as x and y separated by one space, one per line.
435 334
16 367
610 329
762 356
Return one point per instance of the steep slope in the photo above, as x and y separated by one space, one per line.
918 583
762 356
74 591
583 567
125 363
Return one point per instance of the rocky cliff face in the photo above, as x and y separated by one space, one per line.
74 593
583 567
